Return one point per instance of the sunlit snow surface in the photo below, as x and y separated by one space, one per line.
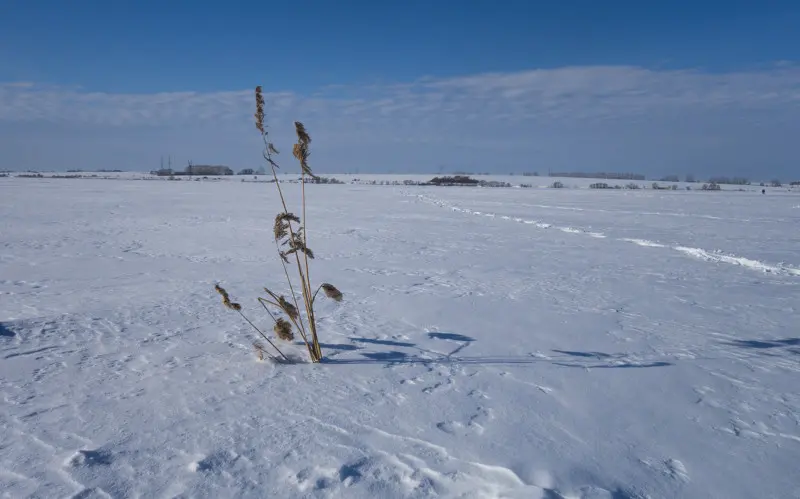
492 343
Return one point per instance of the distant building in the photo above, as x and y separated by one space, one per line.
247 171
208 170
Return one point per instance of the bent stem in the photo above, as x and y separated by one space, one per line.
264 336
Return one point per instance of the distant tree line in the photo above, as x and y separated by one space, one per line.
454 180
729 181
101 170
604 175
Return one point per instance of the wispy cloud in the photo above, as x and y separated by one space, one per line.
609 115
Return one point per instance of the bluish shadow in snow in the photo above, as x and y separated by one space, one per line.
5 332
788 342
338 346
402 358
352 471
395 358
391 356
449 336
620 365
345 347
390 343
615 494
596 355
97 457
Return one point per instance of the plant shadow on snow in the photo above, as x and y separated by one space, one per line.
767 344
450 336
332 346
383 342
391 356
339 346
617 360
5 332
395 357
621 365
596 355
764 344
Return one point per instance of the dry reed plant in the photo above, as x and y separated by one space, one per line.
291 242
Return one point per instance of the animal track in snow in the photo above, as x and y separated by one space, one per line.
474 424
697 253
673 468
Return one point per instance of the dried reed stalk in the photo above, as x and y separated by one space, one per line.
291 242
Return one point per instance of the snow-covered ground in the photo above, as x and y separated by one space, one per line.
492 343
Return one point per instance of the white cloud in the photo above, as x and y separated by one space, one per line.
606 115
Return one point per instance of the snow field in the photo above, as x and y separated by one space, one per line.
492 343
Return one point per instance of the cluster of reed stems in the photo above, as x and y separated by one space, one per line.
290 234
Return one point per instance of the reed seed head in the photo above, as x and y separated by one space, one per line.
288 308
302 134
301 149
331 292
283 329
226 300
281 227
298 244
259 110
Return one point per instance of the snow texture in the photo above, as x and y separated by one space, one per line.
514 343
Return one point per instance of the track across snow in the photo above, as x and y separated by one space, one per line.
473 355
710 256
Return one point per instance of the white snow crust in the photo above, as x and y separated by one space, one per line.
492 343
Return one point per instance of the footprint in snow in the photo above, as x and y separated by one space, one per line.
475 424
215 462
670 467
86 458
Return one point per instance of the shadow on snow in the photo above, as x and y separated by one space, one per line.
5 332
761 344
395 357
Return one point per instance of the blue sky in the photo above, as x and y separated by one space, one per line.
703 87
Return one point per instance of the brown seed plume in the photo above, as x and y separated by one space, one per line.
297 243
281 227
226 300
288 308
259 110
331 292
301 149
283 330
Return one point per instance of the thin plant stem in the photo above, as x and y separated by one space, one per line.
261 300
315 349
272 164
302 333
313 298
312 321
263 336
